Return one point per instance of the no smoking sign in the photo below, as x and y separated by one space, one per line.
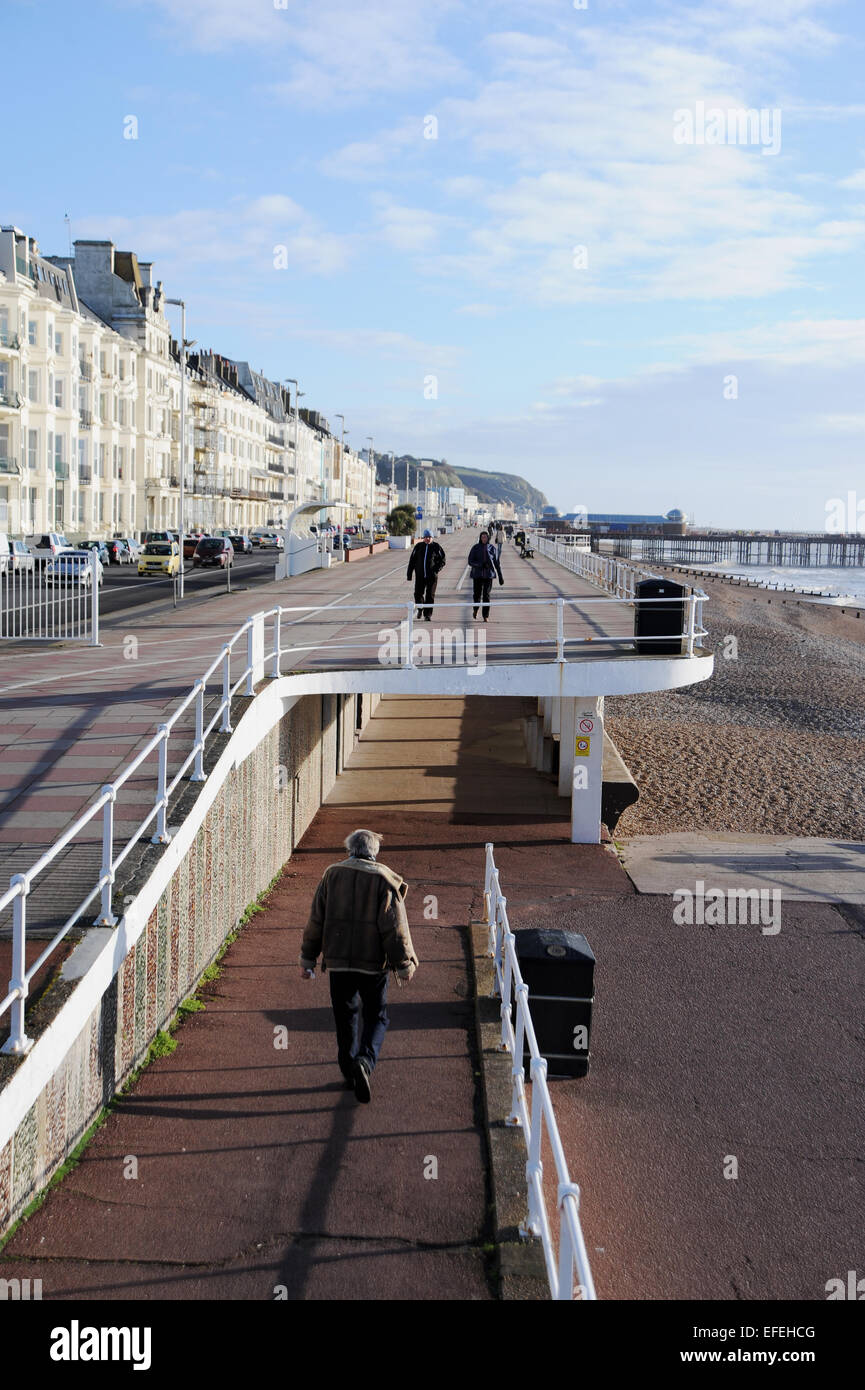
587 726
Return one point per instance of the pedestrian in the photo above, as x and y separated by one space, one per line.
358 925
484 565
426 563
499 539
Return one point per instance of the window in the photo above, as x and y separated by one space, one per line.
59 449
51 337
32 448
33 385
114 462
82 458
102 506
58 342
102 363
122 371
58 393
4 506
103 408
121 455
32 336
100 464
121 413
4 441
132 463
50 453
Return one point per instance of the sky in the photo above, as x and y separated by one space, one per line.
527 237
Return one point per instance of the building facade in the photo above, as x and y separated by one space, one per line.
90 412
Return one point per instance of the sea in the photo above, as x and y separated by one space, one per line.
833 584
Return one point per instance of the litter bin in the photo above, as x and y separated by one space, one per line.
559 969
659 619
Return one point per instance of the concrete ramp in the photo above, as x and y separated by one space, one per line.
800 868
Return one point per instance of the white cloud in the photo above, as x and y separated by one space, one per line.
240 232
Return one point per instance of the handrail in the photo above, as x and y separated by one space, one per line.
573 1258
112 858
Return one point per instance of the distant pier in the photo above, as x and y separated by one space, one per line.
817 551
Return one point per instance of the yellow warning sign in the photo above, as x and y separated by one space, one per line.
582 747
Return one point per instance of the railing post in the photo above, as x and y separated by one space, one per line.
689 647
504 1046
198 768
106 916
277 639
162 837
94 599
560 629
534 1166
250 660
18 1042
518 1065
225 726
409 629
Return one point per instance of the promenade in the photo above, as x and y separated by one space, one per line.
257 1172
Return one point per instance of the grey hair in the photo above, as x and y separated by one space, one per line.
363 842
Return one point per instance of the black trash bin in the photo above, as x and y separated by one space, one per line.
559 969
659 619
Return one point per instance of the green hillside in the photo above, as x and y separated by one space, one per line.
489 487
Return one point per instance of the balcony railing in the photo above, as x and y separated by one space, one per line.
275 439
9 464
85 419
276 492
85 370
276 468
85 476
61 470
10 400
9 340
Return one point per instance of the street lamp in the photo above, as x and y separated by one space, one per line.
291 381
337 416
371 491
183 346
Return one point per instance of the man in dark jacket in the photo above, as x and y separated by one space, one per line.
427 560
484 565
358 925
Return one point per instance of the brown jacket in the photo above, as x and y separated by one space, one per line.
358 921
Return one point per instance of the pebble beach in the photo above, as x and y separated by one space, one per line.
773 743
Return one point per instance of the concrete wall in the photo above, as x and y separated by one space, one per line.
259 814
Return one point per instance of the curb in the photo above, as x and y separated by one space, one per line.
520 1263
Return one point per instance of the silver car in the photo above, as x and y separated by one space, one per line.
73 568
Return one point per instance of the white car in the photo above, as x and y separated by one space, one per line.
75 567
270 540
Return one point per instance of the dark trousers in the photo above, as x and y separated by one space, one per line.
424 593
350 991
482 592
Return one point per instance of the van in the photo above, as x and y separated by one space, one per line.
5 552
47 545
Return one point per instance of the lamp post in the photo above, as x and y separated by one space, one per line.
183 345
371 491
337 416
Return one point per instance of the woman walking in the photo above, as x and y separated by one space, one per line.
484 565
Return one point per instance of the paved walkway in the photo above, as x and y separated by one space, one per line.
798 867
709 1044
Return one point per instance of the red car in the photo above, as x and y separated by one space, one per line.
214 550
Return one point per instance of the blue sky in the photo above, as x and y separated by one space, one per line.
602 375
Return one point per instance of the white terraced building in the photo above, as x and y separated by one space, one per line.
90 411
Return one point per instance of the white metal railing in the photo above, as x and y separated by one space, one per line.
45 599
568 1271
262 641
617 577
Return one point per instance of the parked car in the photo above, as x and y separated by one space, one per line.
270 540
47 545
19 558
190 543
132 545
242 544
118 552
158 536
160 557
213 550
73 567
101 550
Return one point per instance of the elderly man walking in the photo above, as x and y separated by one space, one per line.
358 925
